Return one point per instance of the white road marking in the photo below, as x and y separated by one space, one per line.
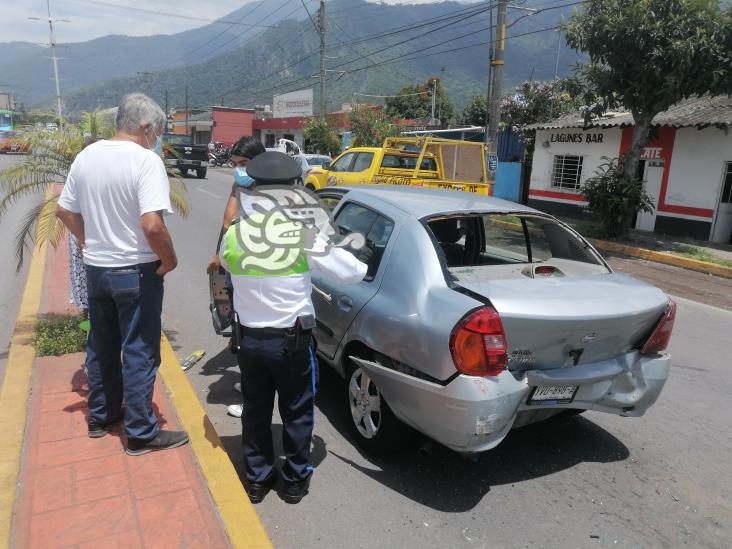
679 299
209 193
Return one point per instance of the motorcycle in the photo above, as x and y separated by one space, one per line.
220 157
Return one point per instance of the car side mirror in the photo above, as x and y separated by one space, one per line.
326 166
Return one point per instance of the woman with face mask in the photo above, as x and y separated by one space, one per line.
241 153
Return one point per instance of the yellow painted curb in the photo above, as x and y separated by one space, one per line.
16 391
663 257
242 524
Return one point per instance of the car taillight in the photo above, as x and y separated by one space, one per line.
662 333
478 344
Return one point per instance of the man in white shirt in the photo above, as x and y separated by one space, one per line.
113 202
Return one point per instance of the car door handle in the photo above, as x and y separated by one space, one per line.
345 303
321 293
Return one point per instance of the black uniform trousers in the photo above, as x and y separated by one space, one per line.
265 369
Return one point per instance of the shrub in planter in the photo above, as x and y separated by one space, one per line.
613 199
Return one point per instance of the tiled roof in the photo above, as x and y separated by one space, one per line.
695 112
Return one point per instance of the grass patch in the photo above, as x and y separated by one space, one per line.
700 254
59 335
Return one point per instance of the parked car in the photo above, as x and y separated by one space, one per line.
308 162
479 315
180 152
476 316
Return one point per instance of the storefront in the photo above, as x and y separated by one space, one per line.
686 168
270 130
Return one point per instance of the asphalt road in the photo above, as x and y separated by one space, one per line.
662 480
11 282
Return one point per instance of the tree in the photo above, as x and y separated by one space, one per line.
475 111
415 102
321 137
42 170
538 102
370 127
646 55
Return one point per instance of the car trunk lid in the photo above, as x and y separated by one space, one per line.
558 322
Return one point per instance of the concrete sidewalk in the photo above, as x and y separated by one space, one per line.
74 491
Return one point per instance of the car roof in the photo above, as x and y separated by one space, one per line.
422 202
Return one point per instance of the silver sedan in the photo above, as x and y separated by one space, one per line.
479 315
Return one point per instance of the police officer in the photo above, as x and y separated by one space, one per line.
277 316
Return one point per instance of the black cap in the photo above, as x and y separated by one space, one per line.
273 168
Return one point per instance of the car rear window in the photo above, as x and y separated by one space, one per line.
504 239
407 162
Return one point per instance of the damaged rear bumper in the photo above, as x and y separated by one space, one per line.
474 414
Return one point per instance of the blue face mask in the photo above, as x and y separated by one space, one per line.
158 148
241 178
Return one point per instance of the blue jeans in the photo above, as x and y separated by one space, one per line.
123 351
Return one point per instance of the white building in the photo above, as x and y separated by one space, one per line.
686 167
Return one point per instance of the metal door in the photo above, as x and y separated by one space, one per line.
652 183
722 233
336 305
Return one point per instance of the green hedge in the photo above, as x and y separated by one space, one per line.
59 335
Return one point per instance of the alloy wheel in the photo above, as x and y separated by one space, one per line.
365 403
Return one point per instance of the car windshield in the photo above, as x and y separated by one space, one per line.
472 245
174 139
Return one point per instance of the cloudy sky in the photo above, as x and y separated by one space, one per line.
94 18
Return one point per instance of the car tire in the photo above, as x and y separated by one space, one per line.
374 426
201 173
310 187
230 164
299 182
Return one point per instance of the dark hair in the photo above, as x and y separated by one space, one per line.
248 147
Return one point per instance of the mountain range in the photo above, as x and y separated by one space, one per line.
373 49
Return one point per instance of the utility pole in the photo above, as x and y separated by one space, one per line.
434 98
166 110
52 45
497 73
321 29
187 111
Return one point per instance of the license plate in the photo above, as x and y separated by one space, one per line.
553 394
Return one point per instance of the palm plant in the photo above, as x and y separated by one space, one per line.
43 172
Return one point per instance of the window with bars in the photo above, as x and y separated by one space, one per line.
727 188
567 172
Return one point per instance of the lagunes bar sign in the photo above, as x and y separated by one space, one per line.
576 137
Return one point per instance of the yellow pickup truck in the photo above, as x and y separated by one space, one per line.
419 161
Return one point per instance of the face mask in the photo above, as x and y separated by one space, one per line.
241 178
158 148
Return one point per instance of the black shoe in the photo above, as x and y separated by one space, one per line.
296 491
97 429
257 490
163 441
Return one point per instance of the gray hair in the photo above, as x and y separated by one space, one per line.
137 109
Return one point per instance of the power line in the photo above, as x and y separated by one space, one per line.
412 26
172 14
197 48
315 26
220 46
403 57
